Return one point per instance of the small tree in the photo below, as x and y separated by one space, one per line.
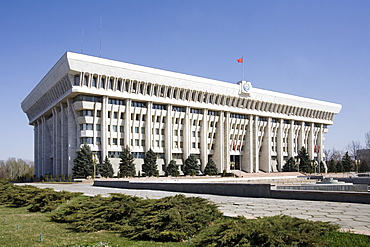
106 169
347 162
83 163
304 160
211 168
127 166
290 165
191 166
150 164
172 169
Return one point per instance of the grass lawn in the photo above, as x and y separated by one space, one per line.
31 225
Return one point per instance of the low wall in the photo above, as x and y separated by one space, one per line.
229 189
326 187
243 190
355 180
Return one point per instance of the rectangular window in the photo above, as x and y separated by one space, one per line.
88 140
162 143
157 143
108 127
158 119
142 130
121 129
137 142
143 118
86 126
98 141
114 141
122 115
137 117
136 129
121 142
115 115
97 127
109 114
84 113
181 132
108 141
193 144
162 131
143 143
114 128
193 133
175 132
98 113
157 131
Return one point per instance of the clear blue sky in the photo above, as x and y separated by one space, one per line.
311 48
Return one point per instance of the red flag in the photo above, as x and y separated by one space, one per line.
240 60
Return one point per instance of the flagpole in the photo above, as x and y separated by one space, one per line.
243 69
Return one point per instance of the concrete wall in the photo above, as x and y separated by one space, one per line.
244 190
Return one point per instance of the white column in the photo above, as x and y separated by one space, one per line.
168 136
247 157
279 148
187 133
265 161
104 129
203 141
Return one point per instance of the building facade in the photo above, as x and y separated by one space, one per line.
111 105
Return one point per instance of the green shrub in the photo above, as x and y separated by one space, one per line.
48 200
97 213
172 218
278 230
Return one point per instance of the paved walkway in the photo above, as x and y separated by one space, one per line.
350 216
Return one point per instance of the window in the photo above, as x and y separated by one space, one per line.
116 101
114 128
108 127
90 98
97 127
88 140
178 108
193 144
158 119
159 107
98 113
121 142
115 115
136 129
181 132
157 143
162 143
86 126
175 132
109 114
84 113
138 104
93 81
137 142
97 141
114 141
143 143
143 118
193 133
162 131
142 130
122 115
121 129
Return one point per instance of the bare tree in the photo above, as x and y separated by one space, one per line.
367 140
332 154
353 148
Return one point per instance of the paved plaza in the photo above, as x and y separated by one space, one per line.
350 216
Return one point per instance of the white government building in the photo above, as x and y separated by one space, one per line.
110 105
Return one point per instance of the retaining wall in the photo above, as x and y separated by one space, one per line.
243 190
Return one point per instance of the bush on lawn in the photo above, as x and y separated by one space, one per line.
280 230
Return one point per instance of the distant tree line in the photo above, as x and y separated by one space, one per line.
14 169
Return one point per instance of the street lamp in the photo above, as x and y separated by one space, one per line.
357 163
298 162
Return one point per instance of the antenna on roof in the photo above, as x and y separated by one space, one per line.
82 42
100 35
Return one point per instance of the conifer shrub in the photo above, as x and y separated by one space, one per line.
171 219
280 230
97 213
48 200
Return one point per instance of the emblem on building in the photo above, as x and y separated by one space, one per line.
245 87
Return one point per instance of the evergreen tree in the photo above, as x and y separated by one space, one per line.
127 166
83 163
332 166
150 164
105 169
305 163
172 169
347 163
191 166
211 168
339 166
290 165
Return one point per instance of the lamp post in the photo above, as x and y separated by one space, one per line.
357 163
298 162
95 158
